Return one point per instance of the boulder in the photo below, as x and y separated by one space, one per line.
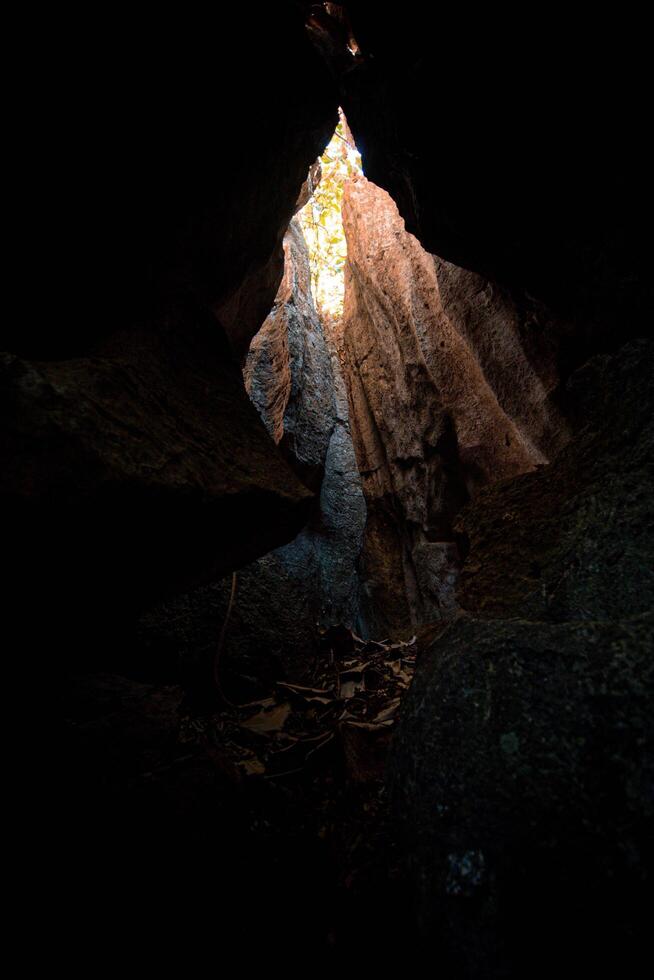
138 471
523 773
522 769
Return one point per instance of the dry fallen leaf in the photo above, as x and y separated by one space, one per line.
268 721
388 713
252 767
351 681
347 689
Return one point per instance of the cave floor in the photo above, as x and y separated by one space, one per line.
262 823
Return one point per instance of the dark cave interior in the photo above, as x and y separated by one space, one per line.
342 620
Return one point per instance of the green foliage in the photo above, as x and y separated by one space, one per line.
322 223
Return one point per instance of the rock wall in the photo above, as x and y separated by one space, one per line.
181 180
501 162
131 457
294 378
157 165
288 373
134 473
292 375
451 387
246 309
523 763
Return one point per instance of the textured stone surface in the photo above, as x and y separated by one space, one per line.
141 469
288 371
523 774
451 387
575 541
243 313
293 377
523 766
163 158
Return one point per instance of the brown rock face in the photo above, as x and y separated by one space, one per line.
574 541
159 158
445 396
243 313
140 470
288 372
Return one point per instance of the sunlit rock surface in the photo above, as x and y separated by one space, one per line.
288 373
292 374
293 377
451 387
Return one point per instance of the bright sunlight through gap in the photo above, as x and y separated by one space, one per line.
322 222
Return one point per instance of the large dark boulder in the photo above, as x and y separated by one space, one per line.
524 774
523 765
134 473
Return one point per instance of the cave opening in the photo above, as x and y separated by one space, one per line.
322 220
398 504
407 363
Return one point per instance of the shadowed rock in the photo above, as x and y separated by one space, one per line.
523 769
140 470
501 157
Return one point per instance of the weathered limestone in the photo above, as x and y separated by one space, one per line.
288 372
448 392
292 374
